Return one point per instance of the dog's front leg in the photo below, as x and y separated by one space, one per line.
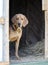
16 49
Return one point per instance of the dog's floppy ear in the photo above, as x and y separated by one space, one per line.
13 19
25 22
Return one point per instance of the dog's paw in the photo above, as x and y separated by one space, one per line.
18 58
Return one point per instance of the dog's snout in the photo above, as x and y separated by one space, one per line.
19 24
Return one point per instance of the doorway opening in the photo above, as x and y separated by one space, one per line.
33 38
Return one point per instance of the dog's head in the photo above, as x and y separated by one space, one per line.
19 20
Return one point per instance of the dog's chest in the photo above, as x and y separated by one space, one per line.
15 34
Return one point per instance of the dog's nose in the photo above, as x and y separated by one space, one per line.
19 24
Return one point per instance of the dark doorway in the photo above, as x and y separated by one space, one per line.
34 33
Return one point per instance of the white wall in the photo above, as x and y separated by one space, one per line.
1 31
1 8
6 30
1 42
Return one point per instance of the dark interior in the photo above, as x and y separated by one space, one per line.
34 32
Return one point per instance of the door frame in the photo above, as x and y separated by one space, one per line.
6 29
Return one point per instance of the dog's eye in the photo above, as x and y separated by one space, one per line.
17 18
21 18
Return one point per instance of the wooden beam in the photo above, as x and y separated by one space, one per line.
46 34
44 4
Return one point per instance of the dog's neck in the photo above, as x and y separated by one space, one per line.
15 27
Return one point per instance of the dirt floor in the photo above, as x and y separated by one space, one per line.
30 53
27 59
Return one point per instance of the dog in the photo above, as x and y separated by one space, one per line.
15 34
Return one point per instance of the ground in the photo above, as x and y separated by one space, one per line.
30 53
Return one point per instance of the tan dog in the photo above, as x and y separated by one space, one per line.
18 21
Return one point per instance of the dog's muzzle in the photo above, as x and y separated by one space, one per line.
19 24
